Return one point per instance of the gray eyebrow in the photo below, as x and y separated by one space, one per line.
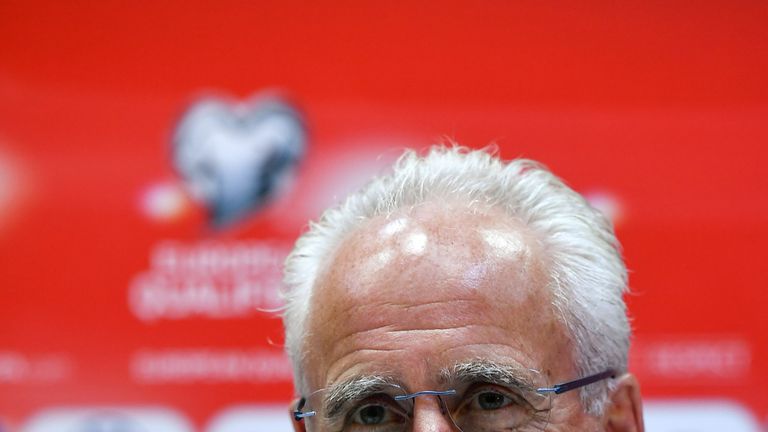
353 390
492 372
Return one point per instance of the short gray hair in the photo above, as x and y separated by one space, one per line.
586 272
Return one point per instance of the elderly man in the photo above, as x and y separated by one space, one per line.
460 293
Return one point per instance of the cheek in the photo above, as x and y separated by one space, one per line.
568 415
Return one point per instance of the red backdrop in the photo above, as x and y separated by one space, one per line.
654 110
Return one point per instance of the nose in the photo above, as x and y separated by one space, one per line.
428 416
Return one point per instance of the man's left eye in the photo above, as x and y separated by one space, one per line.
372 415
490 400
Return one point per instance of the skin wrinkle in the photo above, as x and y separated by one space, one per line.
524 360
408 332
378 308
364 322
346 355
406 306
343 354
397 333
353 332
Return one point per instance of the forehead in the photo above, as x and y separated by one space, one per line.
429 241
437 281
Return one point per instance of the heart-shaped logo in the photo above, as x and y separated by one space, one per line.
234 156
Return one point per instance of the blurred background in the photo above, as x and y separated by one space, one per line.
158 159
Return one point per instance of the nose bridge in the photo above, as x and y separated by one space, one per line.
430 415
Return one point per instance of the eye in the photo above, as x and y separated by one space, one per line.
492 407
491 400
485 397
370 415
376 413
488 400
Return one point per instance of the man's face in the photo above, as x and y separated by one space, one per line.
414 294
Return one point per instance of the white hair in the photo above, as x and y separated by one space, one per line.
587 275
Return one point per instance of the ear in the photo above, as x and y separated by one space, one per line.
298 426
624 412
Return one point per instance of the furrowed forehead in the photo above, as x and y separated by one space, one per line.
466 279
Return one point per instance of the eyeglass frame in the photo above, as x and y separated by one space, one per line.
556 389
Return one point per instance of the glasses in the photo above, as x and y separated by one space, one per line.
522 405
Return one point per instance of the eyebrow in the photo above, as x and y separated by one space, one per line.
514 376
353 390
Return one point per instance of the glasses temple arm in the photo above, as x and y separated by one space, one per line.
571 385
299 415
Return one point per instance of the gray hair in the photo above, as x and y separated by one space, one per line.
587 275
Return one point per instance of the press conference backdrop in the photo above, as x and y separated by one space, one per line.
158 160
